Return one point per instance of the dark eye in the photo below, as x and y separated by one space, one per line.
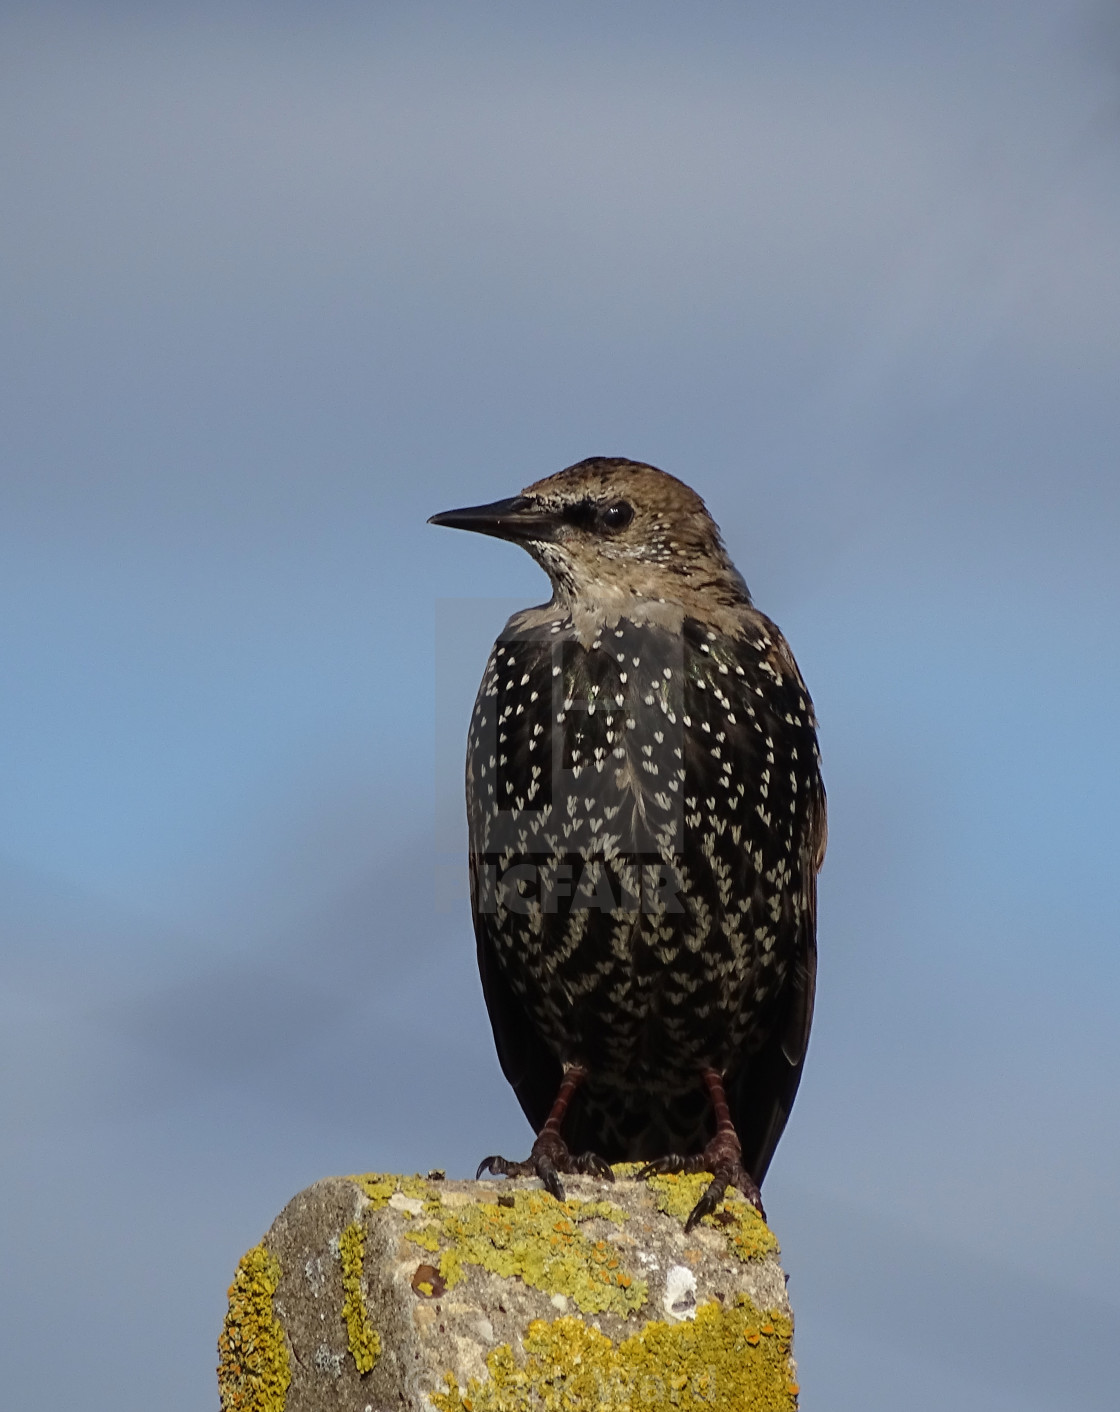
617 516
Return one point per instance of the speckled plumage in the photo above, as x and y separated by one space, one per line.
646 822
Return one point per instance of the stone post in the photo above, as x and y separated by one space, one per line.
381 1293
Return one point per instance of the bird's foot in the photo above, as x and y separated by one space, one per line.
548 1159
723 1157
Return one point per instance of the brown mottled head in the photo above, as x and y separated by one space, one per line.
617 537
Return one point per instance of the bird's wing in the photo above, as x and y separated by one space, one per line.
761 1093
530 1066
544 794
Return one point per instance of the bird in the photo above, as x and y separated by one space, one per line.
646 819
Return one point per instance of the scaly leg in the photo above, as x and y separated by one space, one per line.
723 1157
550 1155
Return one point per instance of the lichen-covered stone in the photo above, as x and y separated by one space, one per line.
363 1340
727 1360
530 1235
404 1292
748 1235
253 1366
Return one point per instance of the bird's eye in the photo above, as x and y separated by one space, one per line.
617 516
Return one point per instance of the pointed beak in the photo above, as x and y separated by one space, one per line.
517 518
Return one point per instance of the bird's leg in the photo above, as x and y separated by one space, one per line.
723 1157
550 1155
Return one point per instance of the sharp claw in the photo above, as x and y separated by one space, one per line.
547 1160
546 1170
590 1164
707 1203
704 1207
660 1166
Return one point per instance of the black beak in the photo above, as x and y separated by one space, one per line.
517 518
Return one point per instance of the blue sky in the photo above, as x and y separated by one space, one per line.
278 282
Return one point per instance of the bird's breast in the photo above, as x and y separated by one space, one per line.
637 810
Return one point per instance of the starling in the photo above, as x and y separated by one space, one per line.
647 819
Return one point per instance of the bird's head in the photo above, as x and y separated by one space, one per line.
613 535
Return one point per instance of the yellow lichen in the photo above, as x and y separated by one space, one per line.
427 1237
748 1235
379 1187
726 1360
363 1339
450 1267
253 1368
532 1235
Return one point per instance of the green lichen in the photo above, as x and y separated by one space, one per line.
253 1368
363 1339
748 1235
532 1235
733 1359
